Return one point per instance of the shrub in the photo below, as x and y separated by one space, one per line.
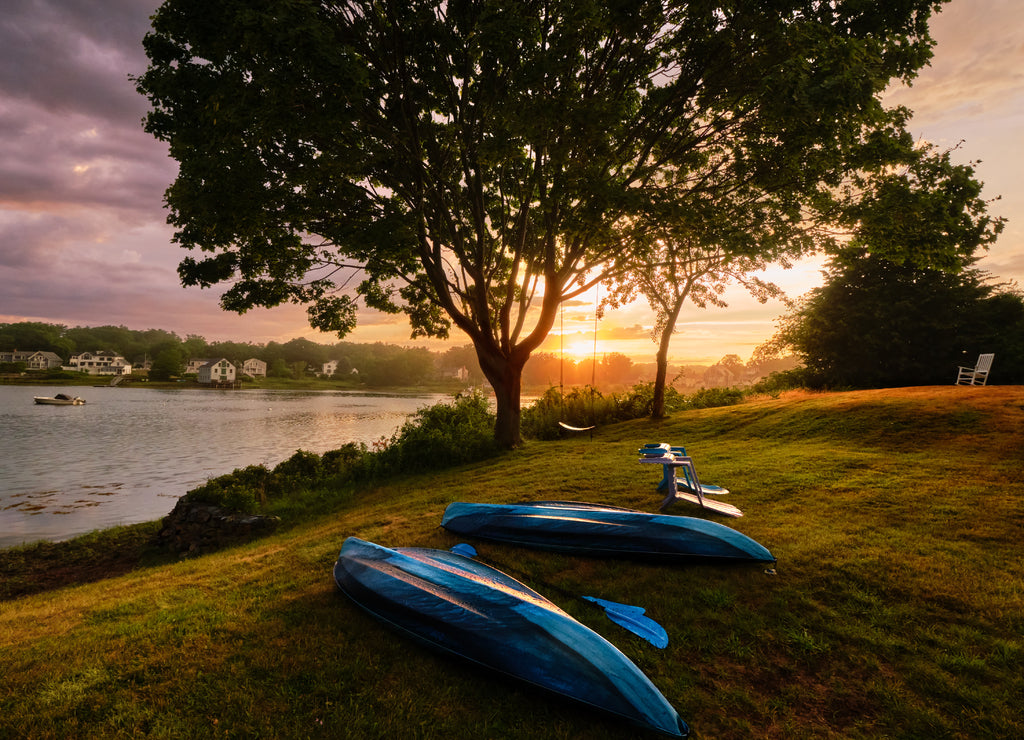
442 436
438 436
707 398
782 380
301 469
348 461
243 490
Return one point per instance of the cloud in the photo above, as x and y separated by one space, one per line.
636 331
1005 264
83 238
978 63
75 56
50 161
29 241
82 232
69 114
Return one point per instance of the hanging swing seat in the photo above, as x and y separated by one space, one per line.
692 492
570 428
561 362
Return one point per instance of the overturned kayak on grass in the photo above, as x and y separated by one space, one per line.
597 530
471 610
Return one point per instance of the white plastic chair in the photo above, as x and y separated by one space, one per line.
976 375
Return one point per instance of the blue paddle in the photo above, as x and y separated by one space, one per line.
631 618
465 550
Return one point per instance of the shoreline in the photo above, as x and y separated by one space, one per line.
43 566
285 384
266 385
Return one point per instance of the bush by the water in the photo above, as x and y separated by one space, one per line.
435 437
442 436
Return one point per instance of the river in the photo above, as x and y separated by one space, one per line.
128 454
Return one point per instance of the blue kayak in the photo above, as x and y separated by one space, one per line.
469 609
593 529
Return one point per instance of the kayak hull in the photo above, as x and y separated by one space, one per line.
468 609
596 530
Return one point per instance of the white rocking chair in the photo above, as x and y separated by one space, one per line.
976 375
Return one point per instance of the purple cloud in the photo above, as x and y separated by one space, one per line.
83 237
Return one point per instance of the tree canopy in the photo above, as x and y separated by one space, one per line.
876 324
474 163
927 214
686 261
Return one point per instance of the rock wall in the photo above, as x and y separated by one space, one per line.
193 528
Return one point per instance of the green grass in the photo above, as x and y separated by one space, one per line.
896 609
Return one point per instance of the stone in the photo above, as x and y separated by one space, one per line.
192 529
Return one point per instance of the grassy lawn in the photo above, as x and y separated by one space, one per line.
896 609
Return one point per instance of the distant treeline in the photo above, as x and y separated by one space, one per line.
374 364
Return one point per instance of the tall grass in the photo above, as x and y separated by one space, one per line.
896 608
584 407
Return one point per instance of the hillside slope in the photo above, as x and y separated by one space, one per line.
895 609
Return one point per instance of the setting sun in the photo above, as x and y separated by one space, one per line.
583 349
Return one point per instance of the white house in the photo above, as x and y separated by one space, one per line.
254 368
100 363
33 360
330 368
194 363
459 373
217 371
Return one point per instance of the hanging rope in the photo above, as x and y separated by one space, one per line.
561 370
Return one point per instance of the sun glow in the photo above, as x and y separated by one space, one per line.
583 349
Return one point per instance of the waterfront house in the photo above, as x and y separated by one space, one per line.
33 360
329 368
194 363
100 363
216 372
254 368
459 373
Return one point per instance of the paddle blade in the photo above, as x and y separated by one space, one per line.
464 549
633 619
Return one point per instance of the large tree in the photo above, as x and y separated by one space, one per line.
877 324
903 301
926 214
694 256
477 162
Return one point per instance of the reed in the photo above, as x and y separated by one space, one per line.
896 608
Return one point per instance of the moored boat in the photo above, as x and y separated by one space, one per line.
597 530
61 399
468 609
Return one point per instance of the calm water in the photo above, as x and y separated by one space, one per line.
129 453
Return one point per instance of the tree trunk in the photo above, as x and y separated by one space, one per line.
661 379
505 376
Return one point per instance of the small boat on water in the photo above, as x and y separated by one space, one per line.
597 530
61 399
468 609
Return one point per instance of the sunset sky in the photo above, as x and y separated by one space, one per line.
83 238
